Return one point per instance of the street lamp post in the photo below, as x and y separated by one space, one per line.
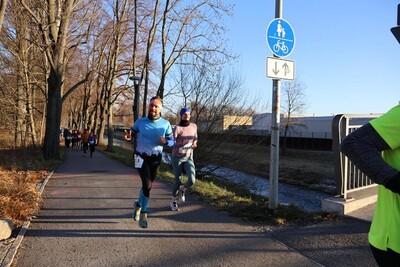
136 83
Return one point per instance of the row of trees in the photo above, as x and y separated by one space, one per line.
67 62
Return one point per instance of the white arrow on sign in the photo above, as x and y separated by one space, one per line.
278 68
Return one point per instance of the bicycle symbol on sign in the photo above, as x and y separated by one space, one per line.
280 45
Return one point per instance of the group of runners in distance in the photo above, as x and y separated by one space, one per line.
78 140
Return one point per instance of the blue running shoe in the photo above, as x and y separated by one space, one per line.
143 220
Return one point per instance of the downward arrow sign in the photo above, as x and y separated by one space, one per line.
276 70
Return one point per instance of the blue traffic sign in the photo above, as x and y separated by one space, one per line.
280 37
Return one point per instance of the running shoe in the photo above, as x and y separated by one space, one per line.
181 193
136 211
174 206
143 220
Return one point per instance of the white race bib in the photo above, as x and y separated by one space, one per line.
185 148
138 161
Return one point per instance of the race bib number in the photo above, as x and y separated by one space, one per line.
138 161
185 148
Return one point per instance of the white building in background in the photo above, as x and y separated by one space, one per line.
262 122
302 126
319 127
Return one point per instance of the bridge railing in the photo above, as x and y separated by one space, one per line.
348 177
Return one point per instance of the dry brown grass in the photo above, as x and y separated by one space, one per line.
19 199
21 170
304 168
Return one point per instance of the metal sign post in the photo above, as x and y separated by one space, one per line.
275 122
280 39
274 147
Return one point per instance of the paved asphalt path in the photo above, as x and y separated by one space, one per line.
87 221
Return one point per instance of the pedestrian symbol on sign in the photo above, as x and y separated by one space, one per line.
280 37
280 30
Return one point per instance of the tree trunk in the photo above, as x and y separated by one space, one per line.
3 4
51 147
43 124
101 125
19 121
110 134
30 117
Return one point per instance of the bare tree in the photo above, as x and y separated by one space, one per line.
53 19
119 23
294 102
149 48
24 60
63 41
191 28
214 97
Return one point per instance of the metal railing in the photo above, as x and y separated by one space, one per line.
348 177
